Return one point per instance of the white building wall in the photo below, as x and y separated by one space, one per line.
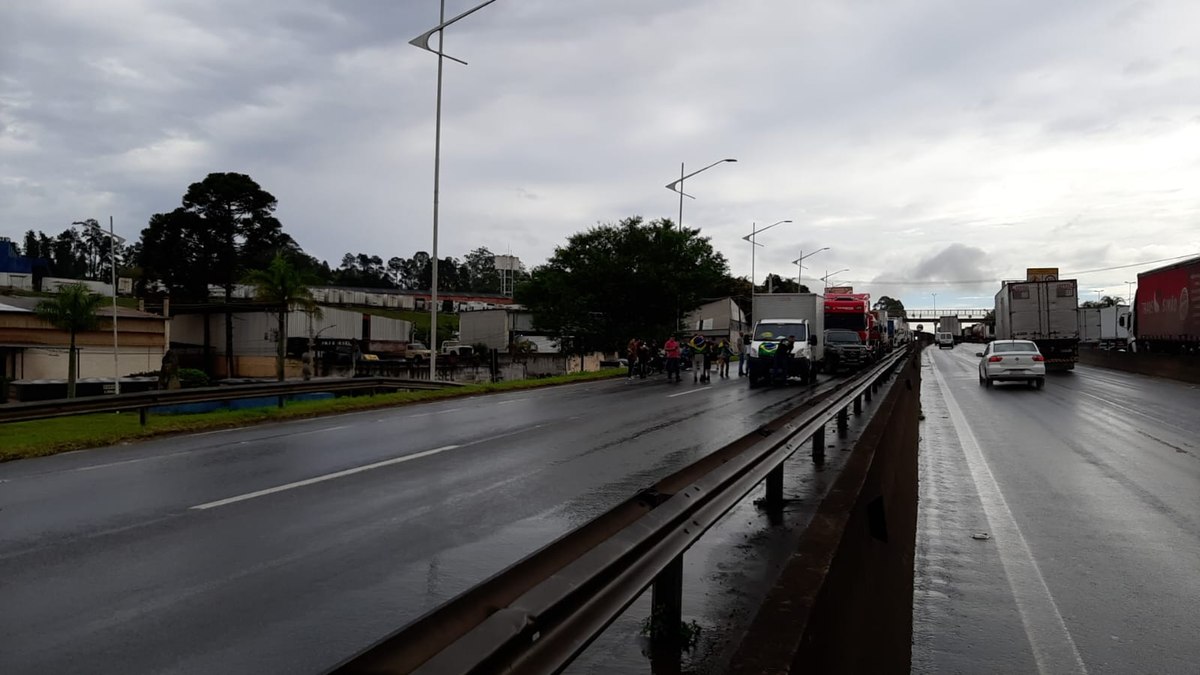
52 284
19 281
50 363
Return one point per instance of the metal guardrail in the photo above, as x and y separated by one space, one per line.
142 401
537 615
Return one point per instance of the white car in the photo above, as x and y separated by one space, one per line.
945 340
1012 361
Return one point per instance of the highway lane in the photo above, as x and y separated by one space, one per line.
286 547
1089 495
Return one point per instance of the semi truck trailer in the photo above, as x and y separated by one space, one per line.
1046 312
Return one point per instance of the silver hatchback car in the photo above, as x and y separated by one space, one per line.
1012 361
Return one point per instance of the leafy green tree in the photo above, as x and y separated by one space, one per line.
777 284
73 309
893 306
363 271
1106 301
224 227
282 286
622 280
478 273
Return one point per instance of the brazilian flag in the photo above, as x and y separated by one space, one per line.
768 349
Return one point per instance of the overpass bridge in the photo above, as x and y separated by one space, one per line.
932 315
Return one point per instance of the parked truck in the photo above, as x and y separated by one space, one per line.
1104 326
1044 311
898 331
981 333
852 311
950 324
1166 310
778 316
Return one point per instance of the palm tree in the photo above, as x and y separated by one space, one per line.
72 310
282 286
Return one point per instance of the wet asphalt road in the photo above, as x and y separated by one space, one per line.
285 548
1089 494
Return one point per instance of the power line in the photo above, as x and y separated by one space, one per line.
1064 275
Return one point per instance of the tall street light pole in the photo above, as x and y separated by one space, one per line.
677 186
1129 293
422 41
934 304
753 250
828 275
112 249
799 267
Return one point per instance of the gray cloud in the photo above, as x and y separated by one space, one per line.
894 133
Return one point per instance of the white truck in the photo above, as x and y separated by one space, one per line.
950 324
779 316
1105 326
1046 312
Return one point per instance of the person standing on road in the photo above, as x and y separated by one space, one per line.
643 358
724 353
673 352
631 355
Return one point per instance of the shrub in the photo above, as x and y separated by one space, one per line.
192 377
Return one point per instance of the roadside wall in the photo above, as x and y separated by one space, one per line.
1174 366
843 602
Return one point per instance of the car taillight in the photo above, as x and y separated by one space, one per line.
995 359
1038 357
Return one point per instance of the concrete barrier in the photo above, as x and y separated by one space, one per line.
1182 367
843 602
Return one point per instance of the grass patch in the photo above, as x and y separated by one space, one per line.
20 440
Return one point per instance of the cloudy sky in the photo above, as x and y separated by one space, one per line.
928 143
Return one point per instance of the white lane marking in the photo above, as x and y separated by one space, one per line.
513 400
319 479
316 431
360 469
435 412
1052 644
218 431
685 393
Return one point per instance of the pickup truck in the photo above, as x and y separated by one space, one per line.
844 350
416 352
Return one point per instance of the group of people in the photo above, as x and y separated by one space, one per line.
647 357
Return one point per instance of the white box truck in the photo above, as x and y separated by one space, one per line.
778 316
1046 312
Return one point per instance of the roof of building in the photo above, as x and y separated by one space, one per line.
27 303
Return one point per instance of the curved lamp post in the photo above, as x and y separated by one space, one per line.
677 186
797 261
422 42
753 245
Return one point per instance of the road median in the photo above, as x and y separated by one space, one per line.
20 440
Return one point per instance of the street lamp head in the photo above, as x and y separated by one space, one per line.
729 160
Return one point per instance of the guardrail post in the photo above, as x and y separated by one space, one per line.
280 401
666 605
818 446
867 393
774 497
843 422
142 416
858 404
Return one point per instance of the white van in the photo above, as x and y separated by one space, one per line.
945 340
